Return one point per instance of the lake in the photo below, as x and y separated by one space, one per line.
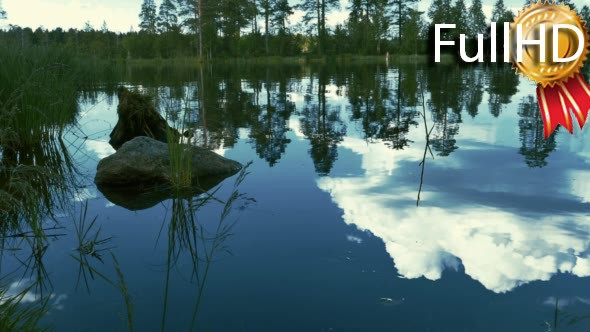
380 197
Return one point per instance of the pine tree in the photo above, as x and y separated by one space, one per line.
148 16
460 19
88 27
232 17
370 20
280 12
477 19
401 11
567 3
265 5
200 18
2 13
585 13
501 13
190 15
412 31
438 12
104 28
167 17
530 2
317 10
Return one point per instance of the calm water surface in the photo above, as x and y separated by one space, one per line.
351 219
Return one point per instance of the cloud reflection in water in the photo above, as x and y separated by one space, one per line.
491 217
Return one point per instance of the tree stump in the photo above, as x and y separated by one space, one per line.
138 117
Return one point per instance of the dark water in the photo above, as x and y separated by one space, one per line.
328 235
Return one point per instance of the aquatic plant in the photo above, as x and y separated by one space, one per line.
18 316
38 92
179 152
188 235
37 103
89 245
179 148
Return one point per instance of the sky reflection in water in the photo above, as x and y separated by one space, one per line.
336 153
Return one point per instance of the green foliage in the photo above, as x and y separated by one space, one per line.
37 94
476 19
233 16
412 34
168 17
316 10
401 14
218 29
461 19
280 12
501 13
180 162
16 316
585 13
439 12
368 24
569 3
148 17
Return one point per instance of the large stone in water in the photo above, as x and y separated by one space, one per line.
145 162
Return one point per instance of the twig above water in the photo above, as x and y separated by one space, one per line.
427 149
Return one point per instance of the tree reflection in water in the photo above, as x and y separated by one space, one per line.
328 106
336 99
535 148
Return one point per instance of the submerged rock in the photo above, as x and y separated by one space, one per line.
144 163
138 117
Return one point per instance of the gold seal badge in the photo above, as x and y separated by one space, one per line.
548 73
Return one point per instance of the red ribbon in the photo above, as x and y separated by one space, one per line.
557 101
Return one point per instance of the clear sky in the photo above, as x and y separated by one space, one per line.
120 15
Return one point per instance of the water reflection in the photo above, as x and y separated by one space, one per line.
373 111
484 215
535 148
192 237
483 204
499 243
328 99
321 124
269 121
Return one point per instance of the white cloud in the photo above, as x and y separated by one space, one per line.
17 288
354 239
100 148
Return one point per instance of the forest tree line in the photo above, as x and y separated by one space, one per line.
252 28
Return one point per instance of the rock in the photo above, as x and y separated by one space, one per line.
138 117
144 163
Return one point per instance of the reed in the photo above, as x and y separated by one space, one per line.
187 235
179 151
38 92
16 316
179 148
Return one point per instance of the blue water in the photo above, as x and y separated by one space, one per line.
340 244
